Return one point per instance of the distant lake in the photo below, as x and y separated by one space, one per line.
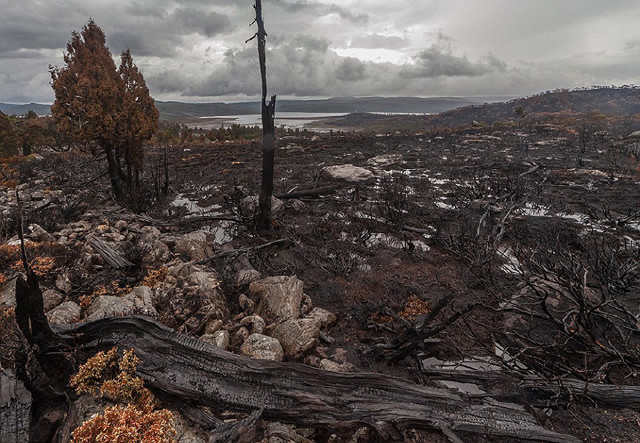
290 120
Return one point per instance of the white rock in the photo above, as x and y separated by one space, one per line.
348 173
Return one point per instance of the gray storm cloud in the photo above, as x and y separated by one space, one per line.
196 50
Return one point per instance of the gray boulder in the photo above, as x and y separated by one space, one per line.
325 317
298 337
138 301
262 347
280 298
218 338
8 294
348 173
51 298
65 314
194 246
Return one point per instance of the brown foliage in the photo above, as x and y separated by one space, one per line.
138 115
113 378
95 103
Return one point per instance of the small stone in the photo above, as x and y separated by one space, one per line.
120 225
246 276
262 347
306 305
340 355
65 314
150 233
297 205
246 304
212 326
51 298
155 252
298 336
256 323
385 160
249 205
328 365
241 335
102 229
219 339
325 317
63 283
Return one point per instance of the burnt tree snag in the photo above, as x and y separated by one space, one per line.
268 127
47 363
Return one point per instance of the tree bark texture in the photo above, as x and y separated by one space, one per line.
268 128
15 409
191 373
513 386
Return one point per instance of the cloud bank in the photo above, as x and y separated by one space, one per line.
196 50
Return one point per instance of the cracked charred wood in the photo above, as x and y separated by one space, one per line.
15 409
189 371
109 255
513 386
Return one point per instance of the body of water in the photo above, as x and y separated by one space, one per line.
291 120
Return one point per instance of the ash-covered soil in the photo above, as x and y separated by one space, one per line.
478 216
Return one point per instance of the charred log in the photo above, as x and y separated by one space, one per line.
190 372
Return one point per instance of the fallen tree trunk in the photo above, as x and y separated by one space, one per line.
192 373
512 385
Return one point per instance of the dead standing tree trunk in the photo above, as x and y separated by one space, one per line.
268 127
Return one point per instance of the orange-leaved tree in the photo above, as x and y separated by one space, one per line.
138 117
94 103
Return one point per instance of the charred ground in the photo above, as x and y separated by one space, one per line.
533 227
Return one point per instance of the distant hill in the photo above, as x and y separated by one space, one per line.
414 105
22 109
173 110
610 101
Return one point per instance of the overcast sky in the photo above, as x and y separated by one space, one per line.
195 50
